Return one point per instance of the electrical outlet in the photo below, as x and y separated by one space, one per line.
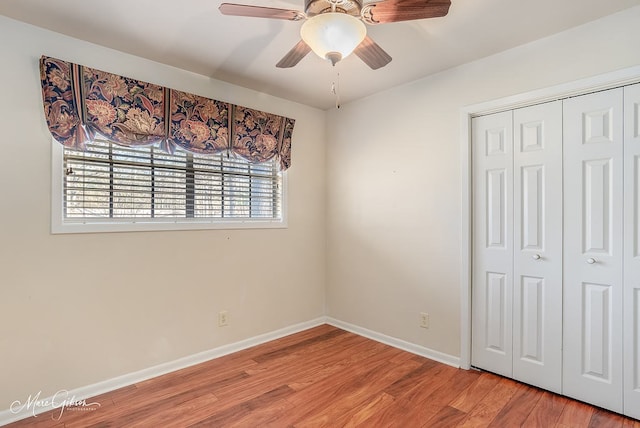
424 320
223 319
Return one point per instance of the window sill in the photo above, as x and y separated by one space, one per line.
146 225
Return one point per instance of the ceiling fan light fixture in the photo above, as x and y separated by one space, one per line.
333 35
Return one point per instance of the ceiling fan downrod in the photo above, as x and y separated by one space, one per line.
318 7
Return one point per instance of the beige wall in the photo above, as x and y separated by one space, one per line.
393 179
79 309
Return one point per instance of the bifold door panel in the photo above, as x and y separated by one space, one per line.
593 158
493 243
537 263
632 251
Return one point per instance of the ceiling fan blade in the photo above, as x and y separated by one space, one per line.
372 54
294 56
260 12
404 10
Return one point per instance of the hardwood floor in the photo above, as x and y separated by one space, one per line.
329 377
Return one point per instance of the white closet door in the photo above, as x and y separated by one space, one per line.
492 163
537 268
632 251
593 287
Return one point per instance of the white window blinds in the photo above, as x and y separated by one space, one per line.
108 181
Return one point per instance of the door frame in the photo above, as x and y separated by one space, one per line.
626 76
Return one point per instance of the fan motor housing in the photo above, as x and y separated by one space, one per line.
317 7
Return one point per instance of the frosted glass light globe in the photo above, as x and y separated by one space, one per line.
333 35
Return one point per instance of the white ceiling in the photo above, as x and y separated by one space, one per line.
193 35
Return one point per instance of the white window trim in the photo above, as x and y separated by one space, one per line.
60 225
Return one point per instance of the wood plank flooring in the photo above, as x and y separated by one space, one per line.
327 377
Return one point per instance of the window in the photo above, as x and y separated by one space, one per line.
115 188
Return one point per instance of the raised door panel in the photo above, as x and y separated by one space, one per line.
496 215
593 249
496 323
532 332
632 251
597 346
597 176
537 303
492 275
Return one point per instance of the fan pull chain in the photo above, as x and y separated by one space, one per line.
335 89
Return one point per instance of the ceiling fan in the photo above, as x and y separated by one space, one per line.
334 29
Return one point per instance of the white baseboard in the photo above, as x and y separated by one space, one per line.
86 392
397 343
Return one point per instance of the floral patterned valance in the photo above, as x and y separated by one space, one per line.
81 103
